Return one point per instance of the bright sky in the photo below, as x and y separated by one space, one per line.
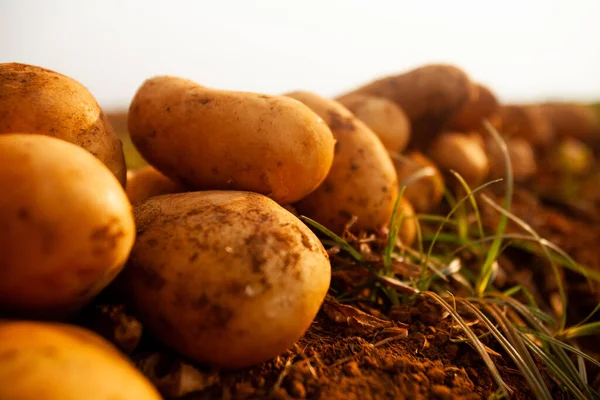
523 49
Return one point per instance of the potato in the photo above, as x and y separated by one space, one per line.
528 122
148 182
226 278
578 121
429 95
217 139
522 158
384 118
463 154
66 226
362 181
482 104
426 193
408 224
53 361
570 156
37 100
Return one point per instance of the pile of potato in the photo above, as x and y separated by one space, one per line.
204 242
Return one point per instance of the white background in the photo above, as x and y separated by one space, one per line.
526 50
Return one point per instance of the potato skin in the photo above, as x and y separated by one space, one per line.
429 95
147 182
463 154
227 278
522 158
66 226
384 118
528 122
53 361
578 121
362 181
37 100
217 139
426 193
482 104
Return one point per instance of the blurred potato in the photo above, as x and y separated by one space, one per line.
522 158
578 121
147 182
528 122
426 193
384 118
482 104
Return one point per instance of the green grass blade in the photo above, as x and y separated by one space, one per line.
467 188
338 240
475 342
487 268
590 329
393 229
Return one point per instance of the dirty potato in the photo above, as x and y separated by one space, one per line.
63 362
227 278
37 100
482 105
362 181
429 95
66 226
463 154
384 118
147 182
425 193
216 139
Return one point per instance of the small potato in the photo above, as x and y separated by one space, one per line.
148 182
528 122
52 361
216 139
429 95
426 193
37 100
482 104
384 118
459 152
408 225
66 226
578 121
571 156
362 181
522 158
227 278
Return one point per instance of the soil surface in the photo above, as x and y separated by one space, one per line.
413 351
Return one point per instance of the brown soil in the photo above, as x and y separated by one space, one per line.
413 351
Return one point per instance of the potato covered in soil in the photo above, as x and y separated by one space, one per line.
429 95
578 121
425 193
37 100
227 278
482 104
522 158
384 118
528 122
362 181
147 182
216 139
463 154
63 362
66 226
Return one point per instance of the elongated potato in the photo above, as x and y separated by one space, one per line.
463 154
66 226
528 122
217 139
429 95
425 193
37 100
362 181
482 104
578 121
148 182
384 118
227 278
63 362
